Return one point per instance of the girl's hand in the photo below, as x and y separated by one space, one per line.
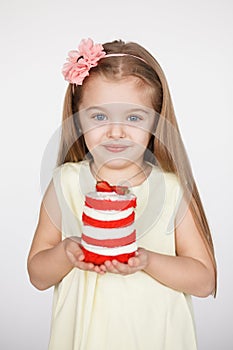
72 246
137 263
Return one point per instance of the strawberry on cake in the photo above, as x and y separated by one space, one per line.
108 230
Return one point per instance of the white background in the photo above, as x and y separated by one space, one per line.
192 40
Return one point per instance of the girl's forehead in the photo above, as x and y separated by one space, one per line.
101 91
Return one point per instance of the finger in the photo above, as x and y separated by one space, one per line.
85 266
140 251
110 267
133 262
120 267
98 270
103 268
80 257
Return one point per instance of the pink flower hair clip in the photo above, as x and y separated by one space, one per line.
82 60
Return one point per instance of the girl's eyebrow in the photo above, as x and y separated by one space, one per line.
139 110
94 107
136 109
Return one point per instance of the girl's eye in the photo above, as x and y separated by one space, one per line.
100 117
134 118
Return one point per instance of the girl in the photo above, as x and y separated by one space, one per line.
119 126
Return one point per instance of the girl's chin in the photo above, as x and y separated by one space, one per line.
116 163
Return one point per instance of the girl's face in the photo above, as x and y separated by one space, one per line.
117 119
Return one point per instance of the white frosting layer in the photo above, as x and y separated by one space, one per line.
107 215
107 233
113 196
130 248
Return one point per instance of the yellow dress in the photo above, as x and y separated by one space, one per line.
111 311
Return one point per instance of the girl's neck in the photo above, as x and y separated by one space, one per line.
132 175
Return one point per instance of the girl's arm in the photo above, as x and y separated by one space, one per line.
190 271
51 258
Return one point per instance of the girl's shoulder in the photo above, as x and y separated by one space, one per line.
170 179
69 180
70 168
168 183
70 174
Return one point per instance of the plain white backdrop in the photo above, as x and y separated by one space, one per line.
192 40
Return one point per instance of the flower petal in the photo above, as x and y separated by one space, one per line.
76 69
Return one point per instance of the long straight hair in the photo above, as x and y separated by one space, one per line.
166 143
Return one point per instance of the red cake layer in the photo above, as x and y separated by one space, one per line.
87 220
100 259
107 204
111 243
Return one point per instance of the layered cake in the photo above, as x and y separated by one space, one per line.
108 230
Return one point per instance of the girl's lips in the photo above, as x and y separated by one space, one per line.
115 148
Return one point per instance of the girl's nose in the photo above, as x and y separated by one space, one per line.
116 130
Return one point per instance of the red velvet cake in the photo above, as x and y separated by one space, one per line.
108 230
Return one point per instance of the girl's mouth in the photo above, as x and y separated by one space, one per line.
115 148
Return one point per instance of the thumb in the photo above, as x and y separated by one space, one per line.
75 239
73 259
70 257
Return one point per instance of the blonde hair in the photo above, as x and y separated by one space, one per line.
166 145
